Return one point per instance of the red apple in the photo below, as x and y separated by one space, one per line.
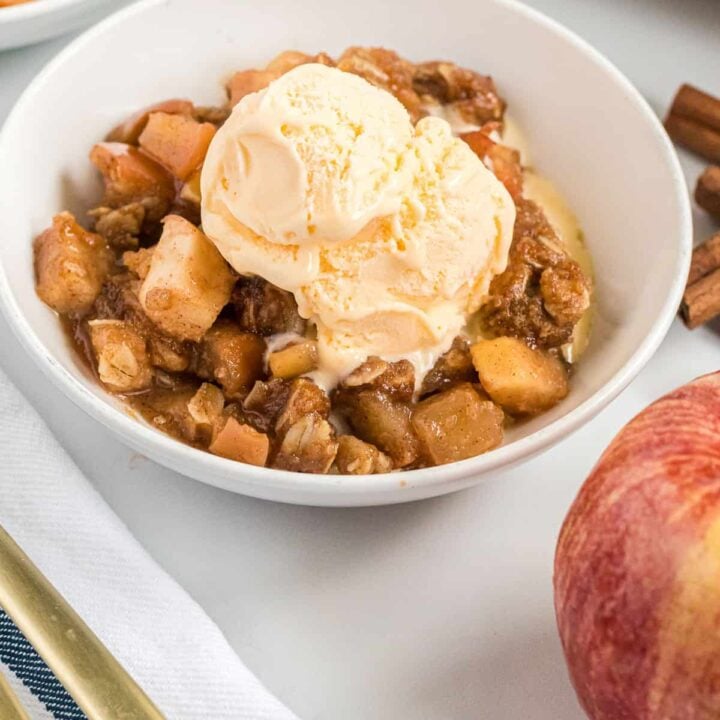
637 568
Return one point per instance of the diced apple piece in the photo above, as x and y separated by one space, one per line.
521 380
289 59
191 189
382 421
294 360
131 176
248 81
309 446
286 61
121 353
130 130
206 404
457 424
177 142
242 443
231 357
71 265
205 408
355 457
167 410
138 261
188 283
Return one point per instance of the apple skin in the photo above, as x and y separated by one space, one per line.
637 567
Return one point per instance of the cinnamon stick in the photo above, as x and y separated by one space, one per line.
694 104
701 301
694 121
699 138
707 191
705 259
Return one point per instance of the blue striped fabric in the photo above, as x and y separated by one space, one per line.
20 657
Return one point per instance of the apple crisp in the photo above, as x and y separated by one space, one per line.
226 363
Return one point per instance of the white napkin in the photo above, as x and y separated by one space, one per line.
160 635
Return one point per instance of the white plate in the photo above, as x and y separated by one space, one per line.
589 130
42 19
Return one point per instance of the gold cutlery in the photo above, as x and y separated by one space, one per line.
10 707
97 682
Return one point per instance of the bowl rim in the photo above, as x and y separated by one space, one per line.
260 481
29 10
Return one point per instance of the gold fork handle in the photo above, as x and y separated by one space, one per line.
95 679
10 707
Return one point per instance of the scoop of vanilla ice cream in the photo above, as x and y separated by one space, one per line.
387 234
313 157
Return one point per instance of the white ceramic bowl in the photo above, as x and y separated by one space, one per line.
42 19
589 130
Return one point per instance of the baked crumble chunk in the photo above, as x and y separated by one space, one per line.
227 364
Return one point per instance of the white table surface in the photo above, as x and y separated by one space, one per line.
435 610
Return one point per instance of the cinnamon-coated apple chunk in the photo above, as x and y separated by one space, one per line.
130 130
246 82
381 420
190 191
170 412
355 457
237 441
188 283
231 357
206 406
294 360
375 400
131 176
289 59
249 81
521 380
123 363
177 142
70 265
138 261
457 424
